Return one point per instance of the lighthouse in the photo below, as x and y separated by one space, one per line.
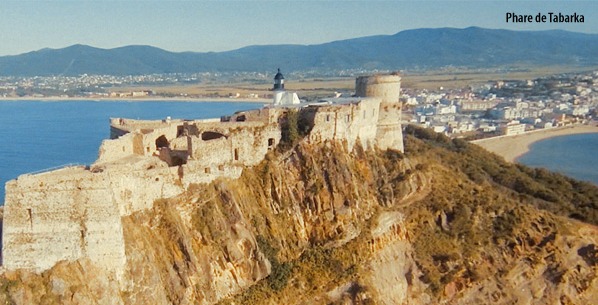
278 81
282 97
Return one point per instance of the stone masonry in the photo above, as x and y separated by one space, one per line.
76 212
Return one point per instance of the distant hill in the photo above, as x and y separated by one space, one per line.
421 48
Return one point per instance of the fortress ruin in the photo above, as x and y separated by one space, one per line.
75 212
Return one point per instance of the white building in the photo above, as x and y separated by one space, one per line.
514 128
285 98
580 110
282 97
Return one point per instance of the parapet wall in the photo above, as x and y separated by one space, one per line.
385 87
140 142
127 145
123 126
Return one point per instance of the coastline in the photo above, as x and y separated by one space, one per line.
139 99
513 147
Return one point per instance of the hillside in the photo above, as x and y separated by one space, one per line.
316 224
411 49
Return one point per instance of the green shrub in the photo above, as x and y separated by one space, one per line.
281 272
290 129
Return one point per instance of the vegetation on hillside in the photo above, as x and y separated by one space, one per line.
468 219
294 127
547 190
484 213
479 218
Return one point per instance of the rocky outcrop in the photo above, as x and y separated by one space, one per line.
318 224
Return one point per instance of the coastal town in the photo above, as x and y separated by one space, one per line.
298 152
101 86
506 107
480 110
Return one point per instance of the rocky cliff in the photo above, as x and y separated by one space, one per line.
445 222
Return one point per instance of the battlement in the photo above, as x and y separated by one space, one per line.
76 212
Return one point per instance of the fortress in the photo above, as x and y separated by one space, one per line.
76 212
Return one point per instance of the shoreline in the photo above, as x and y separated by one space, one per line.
139 99
513 147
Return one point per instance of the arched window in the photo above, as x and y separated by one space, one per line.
161 141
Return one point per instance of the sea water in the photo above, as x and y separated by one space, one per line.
40 135
37 135
573 155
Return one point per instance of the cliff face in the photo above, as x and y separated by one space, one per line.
444 222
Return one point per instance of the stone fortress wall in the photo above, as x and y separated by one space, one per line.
344 119
76 212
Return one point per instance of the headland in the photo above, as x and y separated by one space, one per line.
76 212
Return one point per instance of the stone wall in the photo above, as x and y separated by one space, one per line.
62 215
266 115
137 183
122 126
74 212
346 120
216 143
127 145
223 150
139 137
141 142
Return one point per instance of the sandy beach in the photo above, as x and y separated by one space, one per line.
513 147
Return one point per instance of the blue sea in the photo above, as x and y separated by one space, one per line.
572 155
40 135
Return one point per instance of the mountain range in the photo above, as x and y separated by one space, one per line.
471 47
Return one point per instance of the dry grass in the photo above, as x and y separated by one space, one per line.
463 78
305 88
325 87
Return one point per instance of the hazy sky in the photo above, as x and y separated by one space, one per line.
204 25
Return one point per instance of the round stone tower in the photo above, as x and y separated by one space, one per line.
388 89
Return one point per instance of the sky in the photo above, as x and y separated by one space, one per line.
210 25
